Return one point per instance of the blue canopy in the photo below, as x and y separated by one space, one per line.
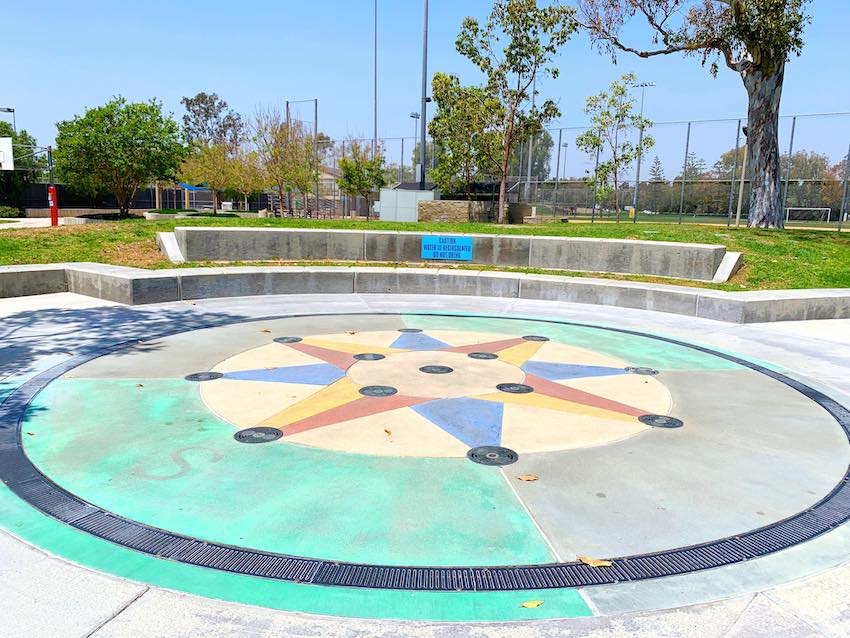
189 187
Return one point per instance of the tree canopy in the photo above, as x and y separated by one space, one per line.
612 117
361 173
208 120
13 183
118 147
754 38
460 132
514 48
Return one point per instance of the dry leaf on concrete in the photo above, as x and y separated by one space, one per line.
531 604
388 432
595 562
268 331
528 477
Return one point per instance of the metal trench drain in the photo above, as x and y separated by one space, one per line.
24 479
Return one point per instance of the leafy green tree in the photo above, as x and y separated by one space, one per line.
656 195
656 170
210 165
532 37
246 175
612 115
14 183
361 173
117 148
458 129
208 121
541 152
283 146
754 38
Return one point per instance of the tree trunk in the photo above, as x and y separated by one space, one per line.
503 185
215 201
245 199
764 90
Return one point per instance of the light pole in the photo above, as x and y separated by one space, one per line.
415 116
558 168
424 108
643 86
7 109
375 86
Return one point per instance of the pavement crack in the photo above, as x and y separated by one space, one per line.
117 612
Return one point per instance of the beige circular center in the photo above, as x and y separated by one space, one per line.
469 377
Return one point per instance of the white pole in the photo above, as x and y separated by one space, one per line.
741 188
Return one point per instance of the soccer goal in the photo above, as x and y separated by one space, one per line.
808 214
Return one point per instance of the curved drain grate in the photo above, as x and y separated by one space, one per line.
535 338
21 476
287 339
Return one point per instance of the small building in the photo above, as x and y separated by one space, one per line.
400 203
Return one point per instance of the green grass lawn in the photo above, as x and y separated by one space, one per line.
773 259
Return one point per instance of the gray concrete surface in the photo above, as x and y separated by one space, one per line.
48 596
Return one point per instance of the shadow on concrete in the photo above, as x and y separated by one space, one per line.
29 339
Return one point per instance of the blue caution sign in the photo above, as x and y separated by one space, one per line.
447 248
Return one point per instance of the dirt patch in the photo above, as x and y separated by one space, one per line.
138 254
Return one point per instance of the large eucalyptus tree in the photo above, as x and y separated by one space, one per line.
754 38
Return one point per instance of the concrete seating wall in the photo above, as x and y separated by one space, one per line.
134 286
668 259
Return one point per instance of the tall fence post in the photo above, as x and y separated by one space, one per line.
557 173
845 194
734 174
401 163
316 151
684 172
788 170
595 189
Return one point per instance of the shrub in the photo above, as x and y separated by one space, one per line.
10 211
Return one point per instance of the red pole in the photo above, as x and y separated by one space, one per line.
54 205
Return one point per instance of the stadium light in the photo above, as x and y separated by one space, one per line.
642 86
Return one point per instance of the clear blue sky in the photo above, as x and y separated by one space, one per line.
67 56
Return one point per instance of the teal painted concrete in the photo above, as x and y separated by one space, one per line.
636 350
69 543
150 450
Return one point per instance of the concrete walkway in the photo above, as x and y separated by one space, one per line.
53 597
26 222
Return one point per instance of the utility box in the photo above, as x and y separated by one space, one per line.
401 204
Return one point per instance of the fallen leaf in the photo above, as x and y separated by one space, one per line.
531 604
31 433
388 432
595 562
268 331
528 477
140 385
351 332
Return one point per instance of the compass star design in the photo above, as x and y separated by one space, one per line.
463 390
